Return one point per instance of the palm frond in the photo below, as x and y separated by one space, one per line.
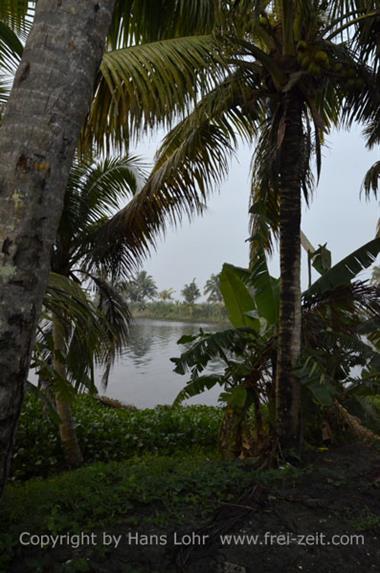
193 159
96 190
10 54
148 85
96 330
371 180
140 21
17 14
111 304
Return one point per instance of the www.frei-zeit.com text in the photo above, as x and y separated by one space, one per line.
49 541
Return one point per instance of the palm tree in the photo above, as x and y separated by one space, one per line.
156 82
166 294
132 21
212 289
140 288
191 292
94 191
287 73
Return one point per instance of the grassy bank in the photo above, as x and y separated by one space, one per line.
203 312
334 494
151 491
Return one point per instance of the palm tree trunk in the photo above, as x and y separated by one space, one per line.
49 101
69 440
288 392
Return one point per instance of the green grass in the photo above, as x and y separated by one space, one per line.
152 489
107 434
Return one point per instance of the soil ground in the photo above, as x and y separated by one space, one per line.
336 494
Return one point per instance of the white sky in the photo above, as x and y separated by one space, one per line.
337 216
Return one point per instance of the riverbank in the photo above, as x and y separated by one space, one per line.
181 312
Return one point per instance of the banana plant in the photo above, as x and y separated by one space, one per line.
336 312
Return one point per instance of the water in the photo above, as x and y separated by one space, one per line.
144 376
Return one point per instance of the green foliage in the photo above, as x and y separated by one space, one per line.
154 490
241 350
347 269
17 14
336 314
166 294
140 288
237 299
366 520
212 289
81 299
107 434
190 292
199 312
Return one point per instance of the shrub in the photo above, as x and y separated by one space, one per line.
110 434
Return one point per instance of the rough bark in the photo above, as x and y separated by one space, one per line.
39 132
288 391
67 432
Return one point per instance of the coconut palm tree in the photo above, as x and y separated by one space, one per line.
166 294
85 321
212 289
135 88
191 292
140 288
52 150
134 22
143 81
287 74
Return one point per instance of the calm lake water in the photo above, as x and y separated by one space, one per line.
144 376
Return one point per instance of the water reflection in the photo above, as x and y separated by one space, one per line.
144 375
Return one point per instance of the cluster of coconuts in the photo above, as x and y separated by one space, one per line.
314 60
311 59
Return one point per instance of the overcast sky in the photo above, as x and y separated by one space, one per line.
337 216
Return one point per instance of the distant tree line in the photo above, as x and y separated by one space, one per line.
142 288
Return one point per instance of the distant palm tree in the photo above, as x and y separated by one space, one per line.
212 289
191 292
166 294
140 289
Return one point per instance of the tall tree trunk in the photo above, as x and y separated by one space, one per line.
39 132
69 440
288 391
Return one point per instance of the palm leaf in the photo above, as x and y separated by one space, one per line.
95 191
17 14
371 180
147 85
193 159
115 310
211 346
10 54
138 21
96 331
